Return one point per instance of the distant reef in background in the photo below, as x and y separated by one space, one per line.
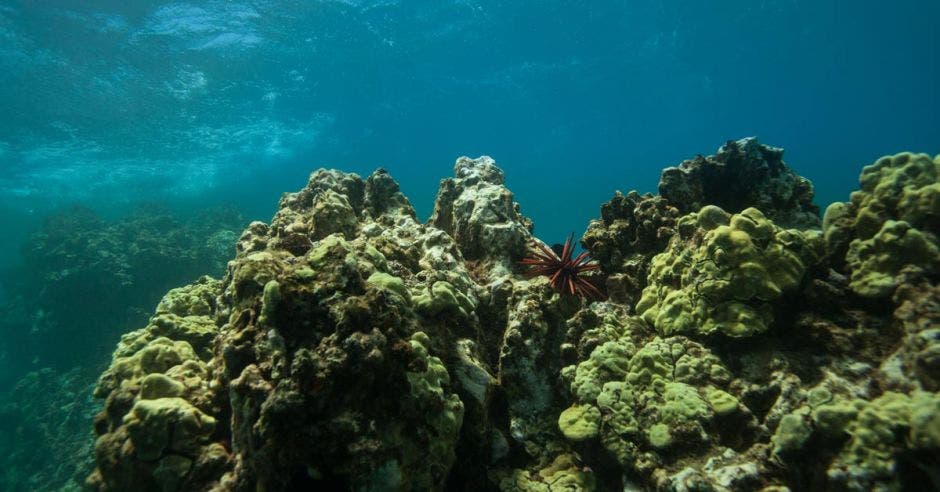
744 344
84 281
85 278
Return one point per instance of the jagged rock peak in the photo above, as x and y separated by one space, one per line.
479 212
744 173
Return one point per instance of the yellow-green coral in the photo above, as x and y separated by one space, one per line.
883 429
722 402
445 416
608 362
270 297
887 183
390 283
562 475
659 436
876 263
792 433
872 437
662 395
722 272
889 224
156 356
197 299
158 385
580 422
167 425
443 297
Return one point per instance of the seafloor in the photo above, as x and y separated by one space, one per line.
743 343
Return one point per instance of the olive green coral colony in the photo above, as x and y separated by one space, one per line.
745 345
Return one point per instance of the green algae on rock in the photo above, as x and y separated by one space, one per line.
722 273
639 401
417 357
891 223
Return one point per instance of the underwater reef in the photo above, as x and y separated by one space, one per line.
44 435
745 344
85 280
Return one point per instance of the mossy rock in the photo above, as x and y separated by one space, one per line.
889 225
723 273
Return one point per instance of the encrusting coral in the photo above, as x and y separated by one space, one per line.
722 273
350 346
891 223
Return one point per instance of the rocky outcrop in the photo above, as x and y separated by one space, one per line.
890 224
743 174
722 273
350 346
478 211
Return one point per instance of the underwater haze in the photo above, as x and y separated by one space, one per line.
110 102
138 140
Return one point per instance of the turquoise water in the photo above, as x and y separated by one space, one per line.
108 102
218 107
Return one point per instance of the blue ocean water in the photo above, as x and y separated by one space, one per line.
109 102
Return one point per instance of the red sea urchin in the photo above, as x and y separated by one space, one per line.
563 271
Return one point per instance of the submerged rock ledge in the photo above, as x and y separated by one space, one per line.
744 345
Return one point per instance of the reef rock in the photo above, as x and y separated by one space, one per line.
722 273
351 347
479 213
632 229
891 223
743 174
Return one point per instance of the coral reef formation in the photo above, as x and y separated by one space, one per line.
123 265
722 273
889 225
744 173
45 431
351 347
85 281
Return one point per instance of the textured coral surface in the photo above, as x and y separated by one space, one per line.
351 347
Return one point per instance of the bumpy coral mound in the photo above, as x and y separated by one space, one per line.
891 223
742 174
158 428
645 404
351 347
723 272
875 439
